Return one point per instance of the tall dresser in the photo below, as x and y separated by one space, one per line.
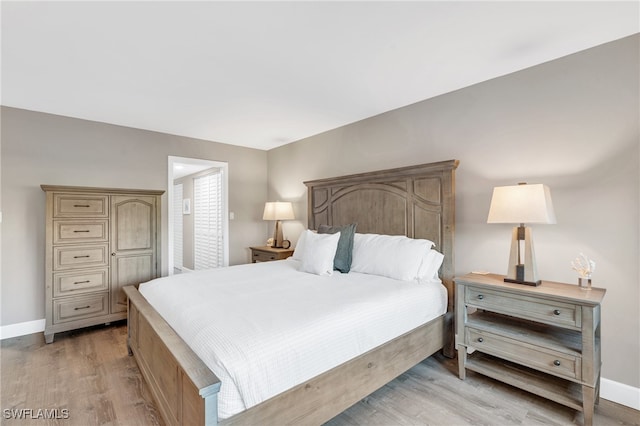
98 240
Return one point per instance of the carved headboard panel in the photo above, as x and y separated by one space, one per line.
416 201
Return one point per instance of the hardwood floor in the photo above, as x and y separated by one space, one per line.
89 374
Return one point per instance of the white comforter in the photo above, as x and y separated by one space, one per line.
264 328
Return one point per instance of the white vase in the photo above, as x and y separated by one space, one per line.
584 283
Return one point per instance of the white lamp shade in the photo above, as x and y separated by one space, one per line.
521 204
278 210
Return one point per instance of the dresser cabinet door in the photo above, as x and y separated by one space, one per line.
133 239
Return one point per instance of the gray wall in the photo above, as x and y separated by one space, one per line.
571 124
42 148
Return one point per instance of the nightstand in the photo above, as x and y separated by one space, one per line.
545 339
267 254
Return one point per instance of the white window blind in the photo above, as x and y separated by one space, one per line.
208 226
177 226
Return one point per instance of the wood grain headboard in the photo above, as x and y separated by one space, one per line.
416 201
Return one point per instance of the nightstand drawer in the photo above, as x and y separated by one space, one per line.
261 256
532 308
539 358
268 254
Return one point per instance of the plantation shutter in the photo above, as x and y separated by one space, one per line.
208 221
177 226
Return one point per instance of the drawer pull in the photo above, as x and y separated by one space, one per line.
556 312
480 297
81 205
82 282
82 231
272 258
82 307
480 340
79 257
556 363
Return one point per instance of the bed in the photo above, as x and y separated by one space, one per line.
416 202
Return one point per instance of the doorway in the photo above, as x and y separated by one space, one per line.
198 219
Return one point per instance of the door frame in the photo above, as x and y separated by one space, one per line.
202 164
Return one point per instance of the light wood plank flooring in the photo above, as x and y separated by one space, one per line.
88 373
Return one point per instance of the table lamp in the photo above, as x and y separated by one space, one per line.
278 210
522 204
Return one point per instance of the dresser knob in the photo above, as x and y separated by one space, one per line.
480 297
113 254
556 362
480 339
556 312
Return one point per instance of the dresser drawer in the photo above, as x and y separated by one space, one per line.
546 311
75 205
539 358
80 256
79 231
72 283
75 308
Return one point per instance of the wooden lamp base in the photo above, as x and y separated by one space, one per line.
522 273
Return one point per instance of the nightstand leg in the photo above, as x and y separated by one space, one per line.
462 360
588 401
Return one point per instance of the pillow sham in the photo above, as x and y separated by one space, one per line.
319 251
342 260
430 266
393 256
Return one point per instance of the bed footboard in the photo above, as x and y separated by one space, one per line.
184 389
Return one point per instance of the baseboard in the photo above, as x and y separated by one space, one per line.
620 393
612 391
21 329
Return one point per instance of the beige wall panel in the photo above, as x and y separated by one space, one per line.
571 124
40 148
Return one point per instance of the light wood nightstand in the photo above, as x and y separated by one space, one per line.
267 254
545 340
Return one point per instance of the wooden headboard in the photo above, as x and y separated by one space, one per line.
416 201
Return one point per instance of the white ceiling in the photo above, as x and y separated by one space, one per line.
263 74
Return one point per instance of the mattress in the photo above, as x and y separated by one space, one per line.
263 328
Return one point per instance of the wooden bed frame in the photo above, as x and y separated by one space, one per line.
416 201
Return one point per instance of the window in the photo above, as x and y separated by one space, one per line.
208 221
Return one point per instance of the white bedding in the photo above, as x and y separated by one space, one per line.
263 328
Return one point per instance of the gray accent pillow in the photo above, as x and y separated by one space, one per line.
342 260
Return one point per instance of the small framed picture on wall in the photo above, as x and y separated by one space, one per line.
186 206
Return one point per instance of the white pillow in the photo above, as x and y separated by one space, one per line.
298 252
430 265
393 256
319 251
